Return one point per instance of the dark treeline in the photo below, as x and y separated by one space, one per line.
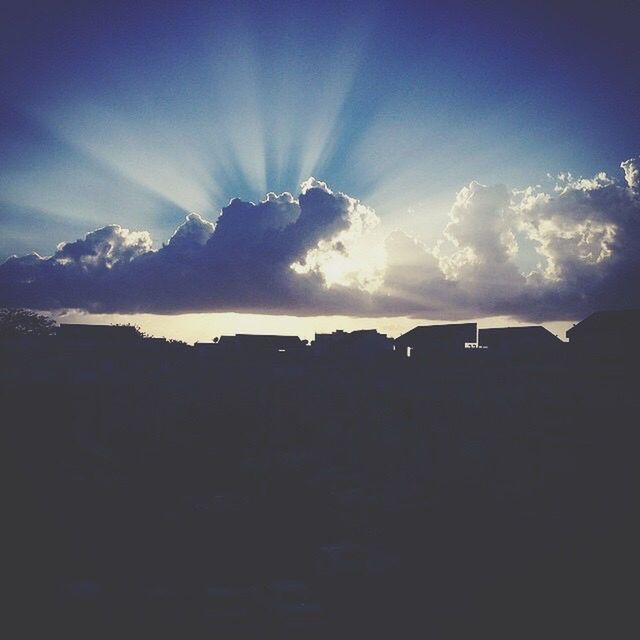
157 487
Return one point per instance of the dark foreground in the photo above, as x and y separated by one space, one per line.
321 499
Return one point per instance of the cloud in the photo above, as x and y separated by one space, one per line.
103 248
242 262
323 253
631 170
588 237
347 258
586 234
482 235
194 232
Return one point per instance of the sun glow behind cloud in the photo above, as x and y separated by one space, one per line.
318 254
353 257
244 107
160 113
181 109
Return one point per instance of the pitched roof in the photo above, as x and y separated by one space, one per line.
613 320
261 341
505 333
467 332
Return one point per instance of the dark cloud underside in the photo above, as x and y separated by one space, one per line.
280 256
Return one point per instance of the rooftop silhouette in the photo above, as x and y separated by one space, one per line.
259 484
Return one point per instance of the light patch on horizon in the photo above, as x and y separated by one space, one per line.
204 327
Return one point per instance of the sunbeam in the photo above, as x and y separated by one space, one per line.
156 115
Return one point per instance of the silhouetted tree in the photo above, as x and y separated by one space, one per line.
22 322
139 331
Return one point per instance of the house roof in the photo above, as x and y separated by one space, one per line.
259 341
613 320
465 332
343 336
536 332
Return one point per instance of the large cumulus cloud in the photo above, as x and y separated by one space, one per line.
317 254
588 237
586 233
242 262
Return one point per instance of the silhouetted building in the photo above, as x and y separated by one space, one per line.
437 341
607 333
365 343
254 344
521 344
206 348
267 492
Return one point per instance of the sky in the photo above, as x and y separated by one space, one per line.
304 164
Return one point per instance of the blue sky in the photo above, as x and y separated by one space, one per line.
137 115
113 113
